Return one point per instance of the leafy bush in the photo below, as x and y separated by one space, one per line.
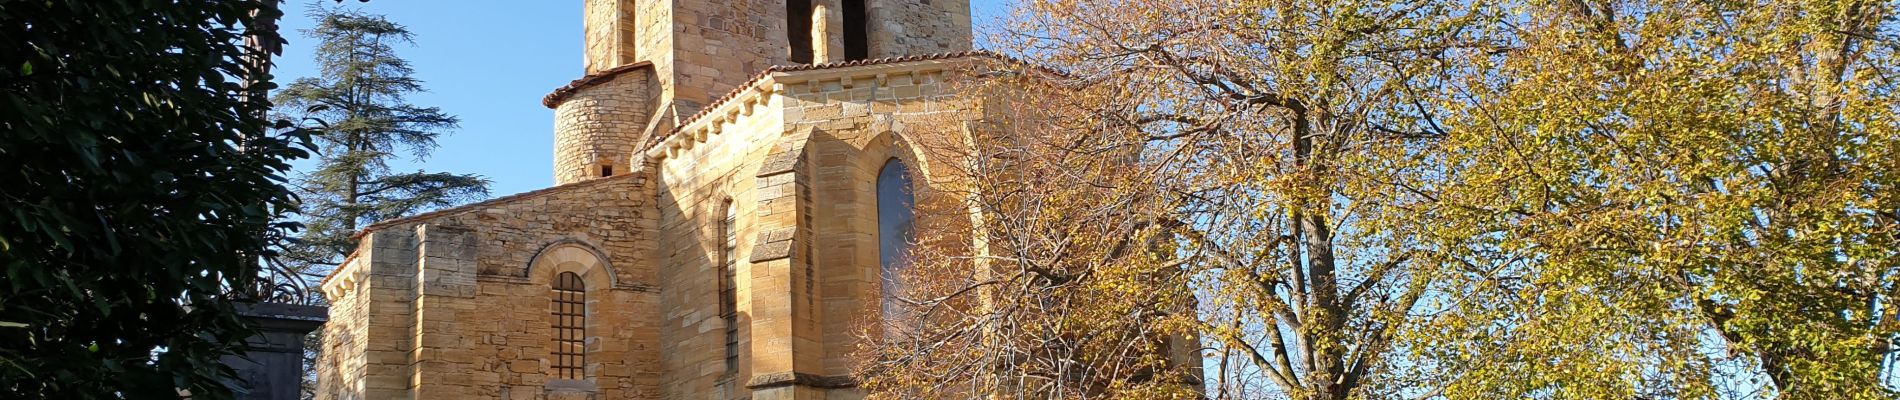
139 185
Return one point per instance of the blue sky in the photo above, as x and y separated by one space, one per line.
489 62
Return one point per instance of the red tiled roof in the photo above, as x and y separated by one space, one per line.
561 94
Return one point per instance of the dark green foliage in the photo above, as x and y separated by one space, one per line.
137 187
358 104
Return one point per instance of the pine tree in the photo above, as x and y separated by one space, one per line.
358 105
358 102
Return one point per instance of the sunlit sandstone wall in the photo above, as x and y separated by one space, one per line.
703 49
610 34
856 120
456 304
343 363
600 123
695 186
910 27
797 155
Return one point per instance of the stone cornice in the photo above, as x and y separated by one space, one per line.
344 279
758 90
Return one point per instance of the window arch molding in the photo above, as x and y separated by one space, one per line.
891 144
571 324
571 255
876 157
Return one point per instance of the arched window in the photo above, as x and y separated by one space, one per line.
857 38
570 327
728 286
798 16
895 231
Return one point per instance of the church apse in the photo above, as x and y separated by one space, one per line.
712 231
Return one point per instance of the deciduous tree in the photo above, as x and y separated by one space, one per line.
1379 199
1702 196
1255 175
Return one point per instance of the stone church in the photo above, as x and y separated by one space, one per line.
731 178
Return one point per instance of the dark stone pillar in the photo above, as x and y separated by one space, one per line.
271 367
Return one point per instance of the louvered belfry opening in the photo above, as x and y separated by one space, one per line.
570 322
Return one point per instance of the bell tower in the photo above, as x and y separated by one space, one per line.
610 31
651 62
701 49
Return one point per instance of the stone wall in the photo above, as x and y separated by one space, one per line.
852 121
910 27
693 192
857 120
606 27
601 124
798 155
456 304
373 301
703 49
342 367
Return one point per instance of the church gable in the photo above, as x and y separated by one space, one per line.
465 300
609 213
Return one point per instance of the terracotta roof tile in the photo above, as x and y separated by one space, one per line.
561 94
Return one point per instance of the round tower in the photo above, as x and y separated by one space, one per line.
598 121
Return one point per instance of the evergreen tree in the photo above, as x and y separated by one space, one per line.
358 102
138 185
358 105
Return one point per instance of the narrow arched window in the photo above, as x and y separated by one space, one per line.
570 327
728 286
857 36
895 231
798 16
